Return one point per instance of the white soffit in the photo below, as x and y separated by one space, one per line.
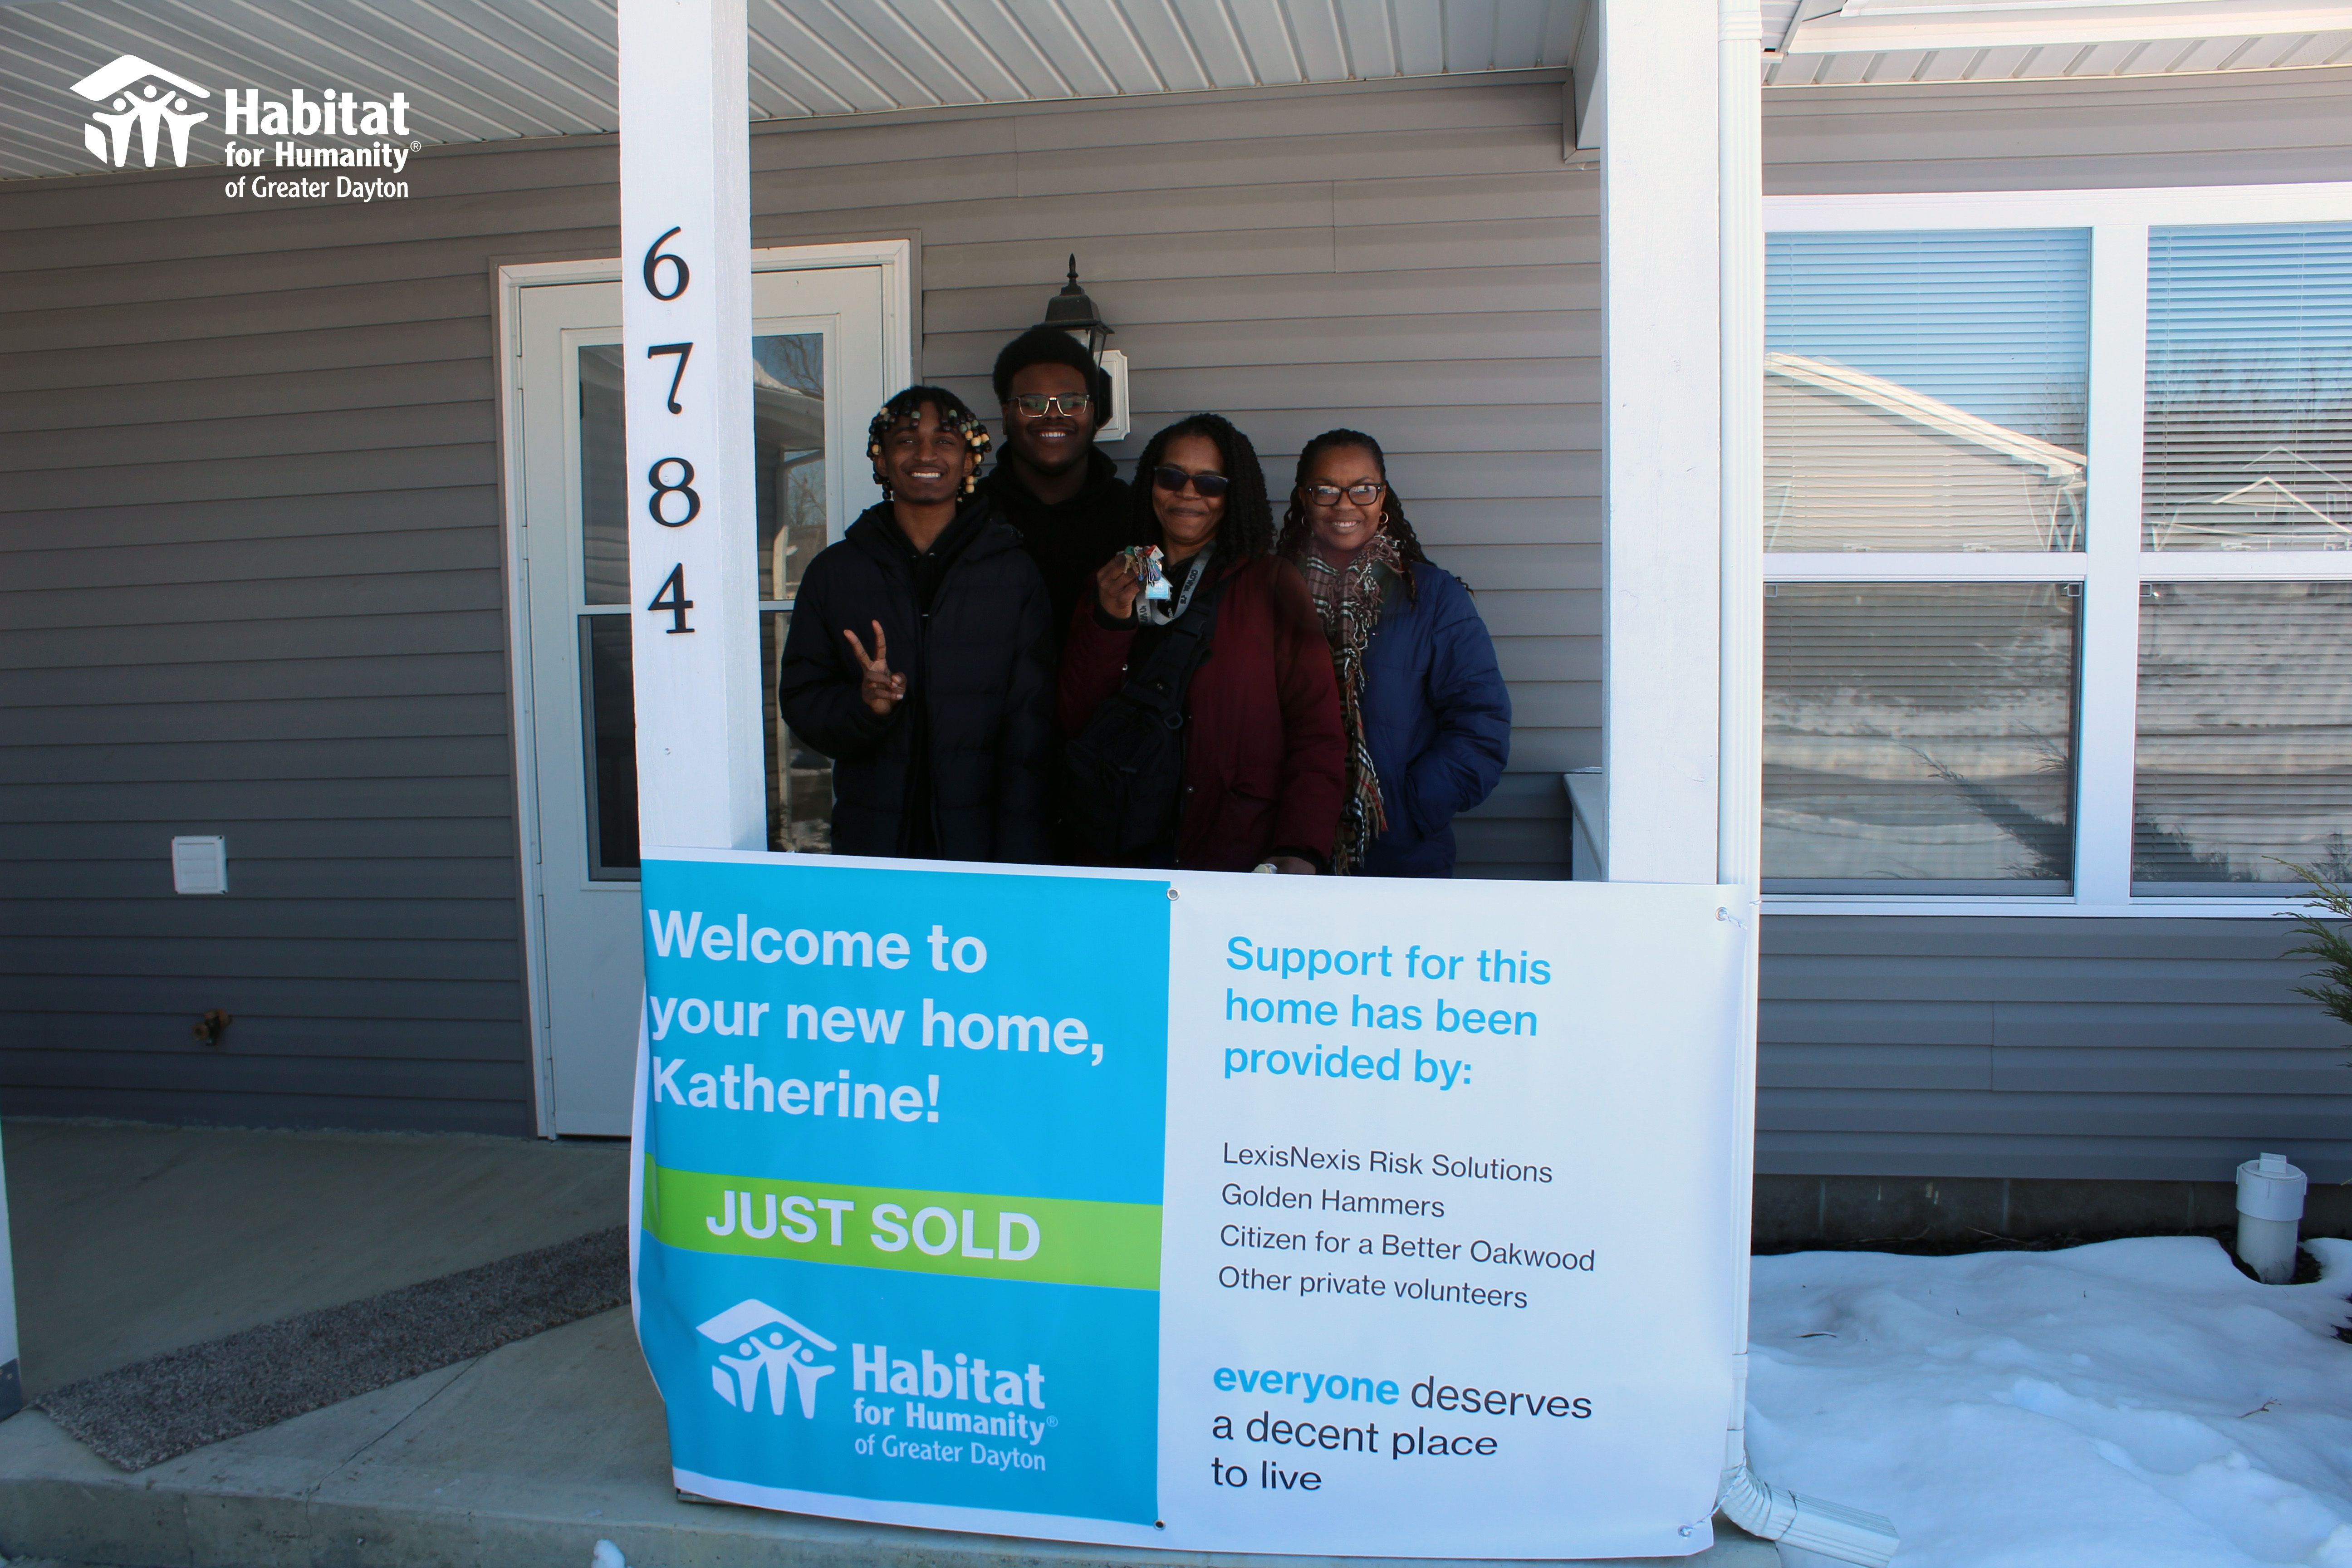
482 70
1830 43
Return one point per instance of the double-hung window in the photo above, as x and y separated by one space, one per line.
2058 522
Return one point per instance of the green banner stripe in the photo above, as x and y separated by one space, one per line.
1053 1241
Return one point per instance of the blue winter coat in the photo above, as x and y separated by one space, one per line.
1438 720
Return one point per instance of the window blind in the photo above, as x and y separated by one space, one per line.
2246 735
1926 390
2249 430
1919 732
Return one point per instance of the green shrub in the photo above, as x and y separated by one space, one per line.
2326 932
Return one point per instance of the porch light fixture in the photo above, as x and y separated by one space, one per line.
1073 311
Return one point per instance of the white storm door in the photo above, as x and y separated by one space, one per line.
819 369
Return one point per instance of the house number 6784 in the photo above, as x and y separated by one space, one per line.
672 476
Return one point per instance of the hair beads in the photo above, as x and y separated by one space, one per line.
908 405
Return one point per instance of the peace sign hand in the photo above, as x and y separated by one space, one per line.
877 688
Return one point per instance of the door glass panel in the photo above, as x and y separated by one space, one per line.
788 460
1926 390
603 480
800 781
609 725
788 444
788 441
1919 737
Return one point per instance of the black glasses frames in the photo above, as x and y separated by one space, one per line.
1364 494
1171 479
1037 404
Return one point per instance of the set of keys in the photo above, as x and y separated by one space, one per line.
1147 569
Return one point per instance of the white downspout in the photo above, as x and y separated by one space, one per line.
1757 1506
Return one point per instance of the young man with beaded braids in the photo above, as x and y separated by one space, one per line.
920 655
1052 482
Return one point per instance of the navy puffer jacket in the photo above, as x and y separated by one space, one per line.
1437 717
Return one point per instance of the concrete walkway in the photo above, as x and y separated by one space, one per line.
135 1240
132 1240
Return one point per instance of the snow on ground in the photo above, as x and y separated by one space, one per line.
2139 1404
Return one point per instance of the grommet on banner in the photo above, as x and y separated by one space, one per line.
1171 892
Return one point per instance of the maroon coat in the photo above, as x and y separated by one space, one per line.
1265 756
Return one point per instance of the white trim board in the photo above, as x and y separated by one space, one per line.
2069 566
2026 906
2151 205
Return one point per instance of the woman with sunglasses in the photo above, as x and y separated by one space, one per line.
1428 718
1263 759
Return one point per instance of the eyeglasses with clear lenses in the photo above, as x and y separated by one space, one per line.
1037 404
1364 494
1171 479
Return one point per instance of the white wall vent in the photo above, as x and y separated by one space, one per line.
200 864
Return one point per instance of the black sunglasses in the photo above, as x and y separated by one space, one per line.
1170 478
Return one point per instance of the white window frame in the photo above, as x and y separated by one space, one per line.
2111 565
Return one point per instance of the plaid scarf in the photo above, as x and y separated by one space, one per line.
1349 596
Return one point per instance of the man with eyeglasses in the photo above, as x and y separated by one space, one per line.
1061 493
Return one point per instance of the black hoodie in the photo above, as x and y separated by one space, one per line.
957 770
1069 540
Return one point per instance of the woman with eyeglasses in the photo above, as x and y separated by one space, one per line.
1236 658
1427 716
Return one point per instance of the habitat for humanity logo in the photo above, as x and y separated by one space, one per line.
755 1332
148 108
137 96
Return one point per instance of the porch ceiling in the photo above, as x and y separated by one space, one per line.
1842 43
481 70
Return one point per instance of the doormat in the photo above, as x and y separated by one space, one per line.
160 1408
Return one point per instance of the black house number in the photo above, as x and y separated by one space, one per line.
665 278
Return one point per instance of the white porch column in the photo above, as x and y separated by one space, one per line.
686 290
1739 811
1662 428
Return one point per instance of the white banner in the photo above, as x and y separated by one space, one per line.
1466 1144
1209 1212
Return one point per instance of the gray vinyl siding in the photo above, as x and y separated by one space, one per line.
251 581
2148 1048
251 575
2269 128
1418 264
2049 1046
